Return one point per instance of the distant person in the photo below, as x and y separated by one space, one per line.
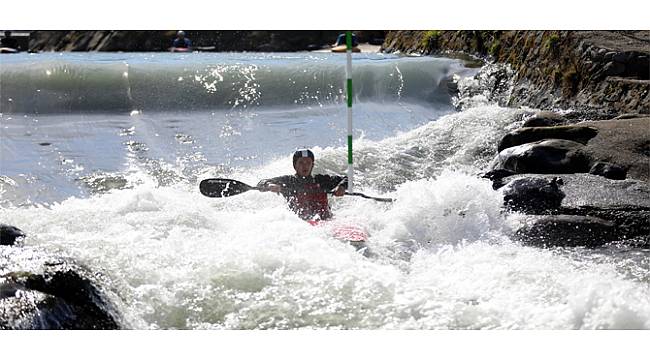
9 42
341 40
181 43
306 194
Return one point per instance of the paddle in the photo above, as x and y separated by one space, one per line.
229 187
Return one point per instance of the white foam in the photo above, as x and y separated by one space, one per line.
181 260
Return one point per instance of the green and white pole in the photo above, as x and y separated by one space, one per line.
348 71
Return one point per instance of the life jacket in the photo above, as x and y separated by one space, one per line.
310 202
181 43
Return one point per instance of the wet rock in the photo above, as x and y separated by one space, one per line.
632 223
624 203
580 134
567 230
555 69
610 171
38 291
533 195
497 177
614 68
545 119
627 116
598 192
624 142
8 234
544 157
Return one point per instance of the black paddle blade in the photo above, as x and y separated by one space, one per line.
222 187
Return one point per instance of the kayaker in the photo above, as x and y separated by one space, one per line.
181 42
340 40
306 194
8 41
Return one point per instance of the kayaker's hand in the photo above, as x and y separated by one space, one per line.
274 188
340 191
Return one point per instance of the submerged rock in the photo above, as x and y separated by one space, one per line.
43 292
8 234
623 204
533 195
567 230
497 176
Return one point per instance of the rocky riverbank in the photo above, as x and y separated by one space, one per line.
152 40
580 176
583 185
603 71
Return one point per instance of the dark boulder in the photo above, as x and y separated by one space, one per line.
497 176
533 195
43 292
610 171
567 230
621 144
544 157
596 191
623 203
580 134
8 234
545 119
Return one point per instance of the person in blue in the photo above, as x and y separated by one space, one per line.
341 40
181 42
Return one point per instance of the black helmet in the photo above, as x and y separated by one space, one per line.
303 153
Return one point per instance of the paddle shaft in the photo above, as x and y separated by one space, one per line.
219 187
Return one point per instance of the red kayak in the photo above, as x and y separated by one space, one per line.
343 232
179 49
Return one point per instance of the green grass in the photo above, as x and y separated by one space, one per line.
552 41
430 39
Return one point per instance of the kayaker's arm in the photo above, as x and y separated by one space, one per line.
336 184
276 184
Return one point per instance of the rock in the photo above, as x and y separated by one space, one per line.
543 157
203 40
625 203
597 192
533 195
551 66
496 176
627 116
38 291
614 68
567 230
24 309
624 143
8 234
610 171
621 57
544 119
580 134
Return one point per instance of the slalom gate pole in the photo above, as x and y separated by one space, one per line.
348 71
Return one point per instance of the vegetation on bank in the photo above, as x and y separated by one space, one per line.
601 70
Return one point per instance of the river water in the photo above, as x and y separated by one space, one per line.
101 155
